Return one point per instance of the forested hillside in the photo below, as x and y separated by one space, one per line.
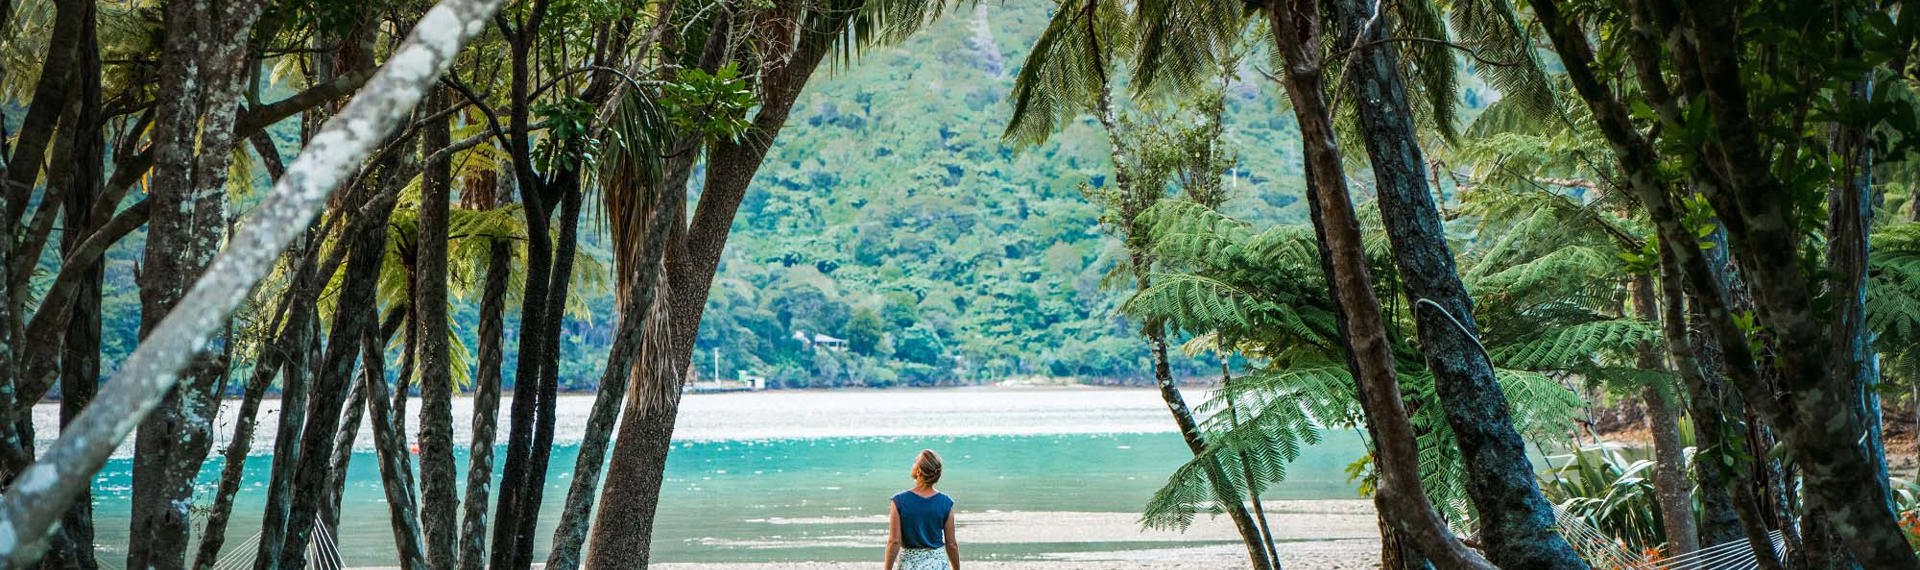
892 215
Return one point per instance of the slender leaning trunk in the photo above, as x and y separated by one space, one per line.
367 238
1516 522
1224 493
233 469
641 323
341 458
515 475
390 445
1295 26
1670 482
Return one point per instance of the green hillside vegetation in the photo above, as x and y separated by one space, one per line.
891 214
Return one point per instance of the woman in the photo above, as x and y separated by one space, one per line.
921 522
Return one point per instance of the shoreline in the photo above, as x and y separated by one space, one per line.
1320 534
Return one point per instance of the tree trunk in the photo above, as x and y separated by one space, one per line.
1516 522
300 348
1854 365
36 130
1297 37
1728 512
51 484
439 498
622 531
303 352
341 458
355 412
409 349
396 476
1396 552
367 238
286 354
1254 485
84 147
514 475
486 407
213 536
637 326
544 420
1670 483
1224 493
201 83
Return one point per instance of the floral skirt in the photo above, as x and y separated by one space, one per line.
922 559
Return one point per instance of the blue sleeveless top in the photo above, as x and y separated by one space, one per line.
923 520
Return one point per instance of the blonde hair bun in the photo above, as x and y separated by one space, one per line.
926 467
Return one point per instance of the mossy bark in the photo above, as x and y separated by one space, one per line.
1516 522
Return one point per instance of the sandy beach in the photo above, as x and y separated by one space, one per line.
1313 535
1317 555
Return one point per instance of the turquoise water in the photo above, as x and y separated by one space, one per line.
821 496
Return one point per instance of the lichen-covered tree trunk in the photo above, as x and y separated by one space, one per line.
1516 522
1298 39
203 65
439 498
486 407
390 445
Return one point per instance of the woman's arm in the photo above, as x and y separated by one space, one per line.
893 533
953 546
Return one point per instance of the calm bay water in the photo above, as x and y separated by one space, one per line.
806 475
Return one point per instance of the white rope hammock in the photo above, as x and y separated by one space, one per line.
323 552
1609 552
